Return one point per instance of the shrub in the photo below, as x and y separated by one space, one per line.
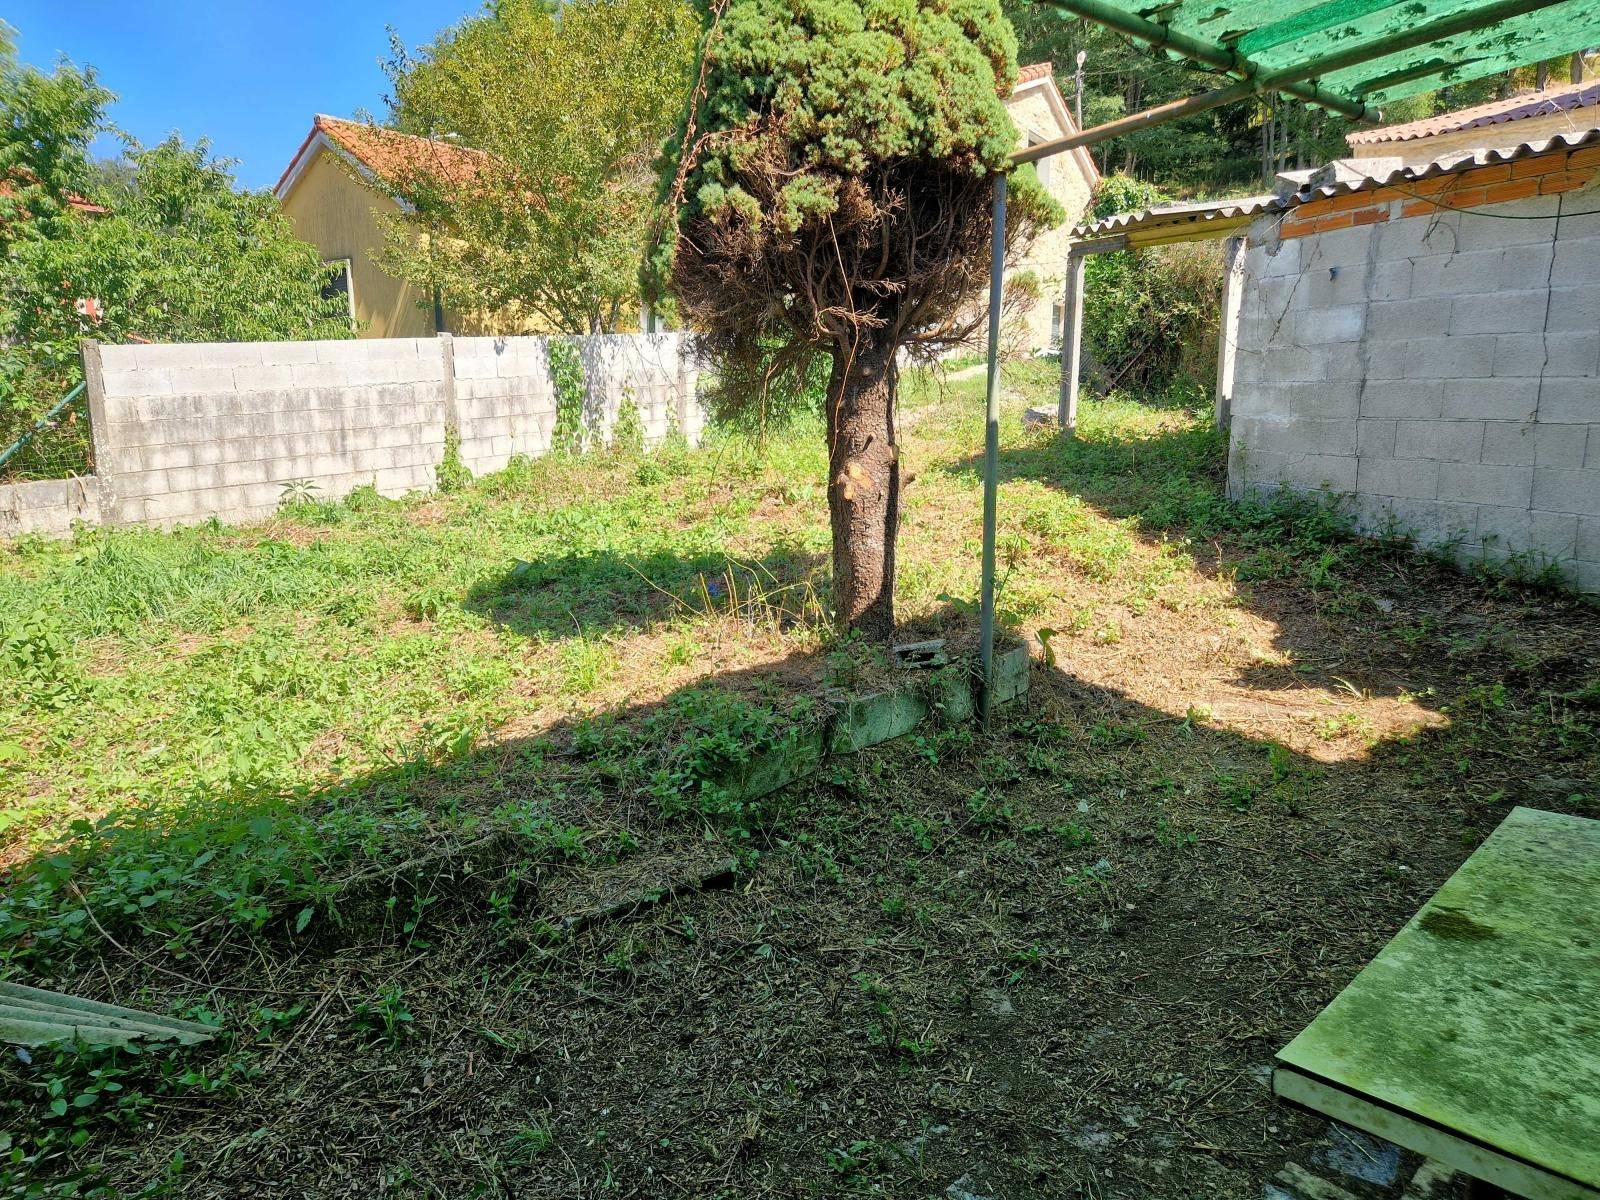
1150 317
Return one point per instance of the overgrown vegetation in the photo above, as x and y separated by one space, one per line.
425 805
1150 316
158 246
569 105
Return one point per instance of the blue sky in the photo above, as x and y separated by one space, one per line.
246 74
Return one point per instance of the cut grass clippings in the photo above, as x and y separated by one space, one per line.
422 804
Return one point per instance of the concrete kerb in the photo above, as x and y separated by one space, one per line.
949 695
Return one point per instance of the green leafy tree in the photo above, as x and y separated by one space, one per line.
174 254
832 190
570 110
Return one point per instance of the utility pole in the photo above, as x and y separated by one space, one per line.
1077 86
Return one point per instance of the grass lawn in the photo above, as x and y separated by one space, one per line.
418 801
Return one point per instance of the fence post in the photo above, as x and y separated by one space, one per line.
1071 344
1228 339
102 454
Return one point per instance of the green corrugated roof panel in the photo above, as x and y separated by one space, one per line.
1269 36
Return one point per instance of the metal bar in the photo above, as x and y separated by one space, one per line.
11 451
1158 115
1162 38
1071 346
1228 340
991 445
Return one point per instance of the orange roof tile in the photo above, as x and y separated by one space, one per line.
1034 71
1497 112
391 155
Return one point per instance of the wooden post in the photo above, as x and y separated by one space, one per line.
1071 344
1228 341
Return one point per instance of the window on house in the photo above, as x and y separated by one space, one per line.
1042 167
338 284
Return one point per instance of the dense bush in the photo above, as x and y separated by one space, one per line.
1150 317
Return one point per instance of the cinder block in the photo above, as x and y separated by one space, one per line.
264 377
1451 441
1417 237
1569 401
1374 437
1572 354
1567 491
1577 261
118 359
1588 546
1576 309
1488 231
1486 483
1342 283
201 380
1553 534
1498 312
1390 281
1591 457
1412 398
1456 357
1587 577
132 384
1492 399
286 354
1394 360
1415 478
1342 362
1509 442
1559 445
1276 260
320 374
1303 472
1406 320
1340 323
1520 355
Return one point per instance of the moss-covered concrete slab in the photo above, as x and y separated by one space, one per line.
947 695
1480 1022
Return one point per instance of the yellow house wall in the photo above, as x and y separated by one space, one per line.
1065 180
339 217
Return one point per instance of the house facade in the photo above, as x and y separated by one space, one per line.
1498 125
1040 114
332 194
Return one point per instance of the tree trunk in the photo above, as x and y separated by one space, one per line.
863 488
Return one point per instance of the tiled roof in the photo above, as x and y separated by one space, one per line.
1175 216
1314 188
1033 72
390 155
74 201
1497 112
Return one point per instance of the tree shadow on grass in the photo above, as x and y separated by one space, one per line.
559 595
1352 614
1051 958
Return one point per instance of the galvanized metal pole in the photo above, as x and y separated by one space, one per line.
991 443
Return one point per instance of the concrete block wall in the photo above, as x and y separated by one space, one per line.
48 507
187 432
184 433
1439 367
506 403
